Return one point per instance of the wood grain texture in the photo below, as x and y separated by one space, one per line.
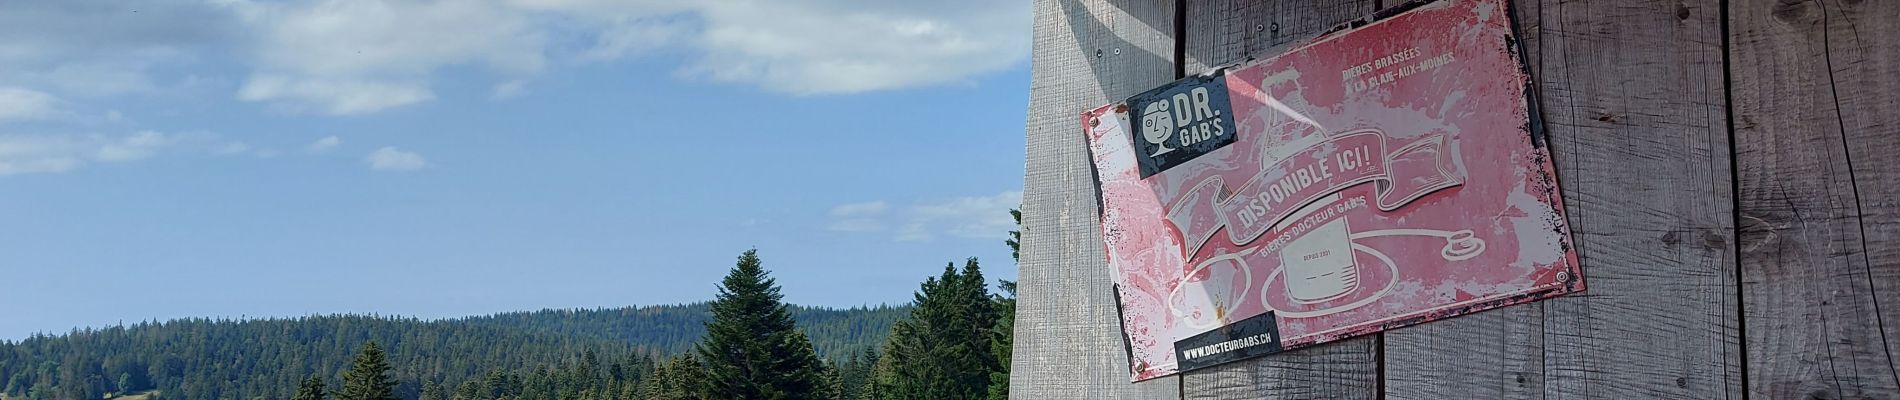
1227 32
1633 96
1815 145
1068 337
1638 114
1224 32
1865 62
1495 354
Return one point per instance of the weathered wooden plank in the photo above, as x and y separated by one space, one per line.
1633 96
1087 53
1813 89
1225 32
1496 354
1866 66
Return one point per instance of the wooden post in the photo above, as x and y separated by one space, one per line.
1069 341
1729 169
1817 131
1633 103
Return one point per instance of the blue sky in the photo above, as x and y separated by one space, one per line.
230 158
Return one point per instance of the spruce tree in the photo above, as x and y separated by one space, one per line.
752 348
124 386
311 389
855 377
368 378
944 350
676 379
886 379
1002 338
433 390
833 387
971 360
1015 240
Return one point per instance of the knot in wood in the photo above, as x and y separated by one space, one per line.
1792 10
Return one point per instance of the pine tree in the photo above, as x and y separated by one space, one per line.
944 350
368 378
752 348
885 378
1015 240
124 385
833 386
432 390
855 377
676 379
311 389
1002 339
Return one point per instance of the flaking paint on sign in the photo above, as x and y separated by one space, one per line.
1375 178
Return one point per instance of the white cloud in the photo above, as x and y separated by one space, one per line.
974 217
334 96
353 57
981 217
25 154
509 89
79 48
390 158
324 144
858 217
22 104
869 208
363 56
233 148
131 147
637 36
100 78
822 47
29 154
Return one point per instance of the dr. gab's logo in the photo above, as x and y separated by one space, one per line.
1181 121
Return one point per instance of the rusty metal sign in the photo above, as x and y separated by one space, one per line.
1374 178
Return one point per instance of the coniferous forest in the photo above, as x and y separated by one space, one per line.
951 342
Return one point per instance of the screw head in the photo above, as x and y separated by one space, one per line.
1118 52
1259 27
1563 276
1098 53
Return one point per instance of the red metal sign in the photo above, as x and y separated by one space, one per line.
1375 178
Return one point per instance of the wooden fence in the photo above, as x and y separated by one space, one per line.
1729 169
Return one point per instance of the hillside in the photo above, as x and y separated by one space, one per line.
266 358
673 328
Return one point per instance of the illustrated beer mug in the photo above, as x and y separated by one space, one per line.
1319 265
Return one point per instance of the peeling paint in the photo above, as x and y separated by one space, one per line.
1384 175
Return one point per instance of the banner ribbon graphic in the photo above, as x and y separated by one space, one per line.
1401 174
